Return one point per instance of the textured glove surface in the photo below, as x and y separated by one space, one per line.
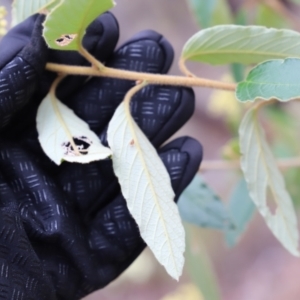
66 231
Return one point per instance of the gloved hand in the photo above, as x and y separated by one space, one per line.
66 231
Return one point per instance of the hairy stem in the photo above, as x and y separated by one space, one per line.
138 76
213 165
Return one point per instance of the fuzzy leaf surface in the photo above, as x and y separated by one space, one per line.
200 206
146 186
274 79
261 173
58 127
225 44
65 26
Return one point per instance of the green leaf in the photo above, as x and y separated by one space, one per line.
199 205
238 72
241 44
274 79
210 13
241 210
270 18
65 26
199 264
203 11
261 173
22 9
146 187
61 132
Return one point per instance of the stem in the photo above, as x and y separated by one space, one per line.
138 76
184 69
58 114
213 165
132 92
95 63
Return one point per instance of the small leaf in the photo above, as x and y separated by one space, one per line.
241 209
65 26
22 9
199 205
261 172
64 136
146 186
274 79
241 44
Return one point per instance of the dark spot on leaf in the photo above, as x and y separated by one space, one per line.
65 39
82 143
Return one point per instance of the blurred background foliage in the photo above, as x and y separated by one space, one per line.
216 206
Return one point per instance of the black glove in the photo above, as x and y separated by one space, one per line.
66 231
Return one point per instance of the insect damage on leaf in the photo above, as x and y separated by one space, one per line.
82 144
65 39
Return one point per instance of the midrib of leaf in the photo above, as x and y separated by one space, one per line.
139 150
58 114
49 4
267 54
83 22
271 184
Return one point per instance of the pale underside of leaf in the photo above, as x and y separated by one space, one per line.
261 171
79 14
226 44
64 136
146 186
22 9
274 79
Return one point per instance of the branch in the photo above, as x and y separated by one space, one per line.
213 165
138 76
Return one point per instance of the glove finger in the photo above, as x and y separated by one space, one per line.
20 77
96 102
114 236
16 39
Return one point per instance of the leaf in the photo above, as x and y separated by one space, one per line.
238 71
241 209
274 79
261 172
199 205
266 16
209 13
22 9
146 186
67 35
61 132
199 266
241 44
